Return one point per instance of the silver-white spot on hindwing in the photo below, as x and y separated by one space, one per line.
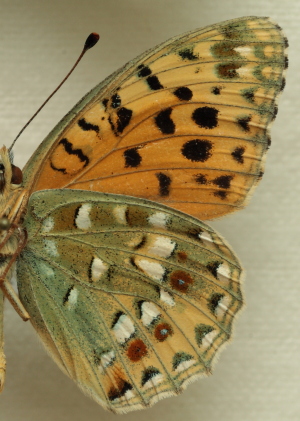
184 365
153 269
149 312
223 272
119 212
167 298
208 339
158 219
48 224
82 218
97 269
154 381
162 247
71 299
123 328
50 247
106 360
222 306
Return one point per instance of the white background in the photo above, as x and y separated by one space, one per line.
257 377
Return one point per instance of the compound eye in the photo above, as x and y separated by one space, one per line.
4 223
17 175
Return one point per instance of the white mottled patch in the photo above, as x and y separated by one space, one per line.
106 360
82 220
208 339
149 313
223 272
185 365
120 214
158 219
222 306
167 298
129 394
152 269
46 270
123 329
154 381
162 247
205 236
98 268
244 51
50 247
72 299
48 224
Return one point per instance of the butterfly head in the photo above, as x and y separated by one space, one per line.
10 175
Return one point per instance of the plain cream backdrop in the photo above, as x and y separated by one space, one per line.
257 377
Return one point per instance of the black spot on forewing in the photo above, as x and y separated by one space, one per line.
216 90
183 93
164 184
115 101
164 122
187 54
124 117
243 122
132 158
200 179
223 181
144 71
154 83
206 117
84 125
197 150
69 150
152 80
222 194
238 154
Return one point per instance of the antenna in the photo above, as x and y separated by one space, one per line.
91 40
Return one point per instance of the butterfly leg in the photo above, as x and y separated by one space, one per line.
2 356
6 286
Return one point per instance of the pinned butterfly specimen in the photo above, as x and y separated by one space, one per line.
133 296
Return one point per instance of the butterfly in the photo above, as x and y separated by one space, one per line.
131 293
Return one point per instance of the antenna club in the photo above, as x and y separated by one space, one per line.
91 40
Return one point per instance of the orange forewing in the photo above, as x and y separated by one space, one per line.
184 124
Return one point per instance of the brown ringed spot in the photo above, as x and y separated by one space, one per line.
163 331
181 280
181 256
137 350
